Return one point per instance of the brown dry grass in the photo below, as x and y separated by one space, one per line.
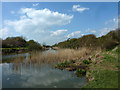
61 55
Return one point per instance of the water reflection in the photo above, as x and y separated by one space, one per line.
38 76
25 55
28 75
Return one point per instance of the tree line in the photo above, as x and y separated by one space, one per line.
108 41
19 44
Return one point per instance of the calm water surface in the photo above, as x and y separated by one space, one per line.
24 75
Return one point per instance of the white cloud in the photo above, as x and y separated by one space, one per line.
74 34
39 20
3 32
78 8
116 20
90 31
109 26
12 12
82 34
35 4
104 31
58 32
36 24
113 21
93 31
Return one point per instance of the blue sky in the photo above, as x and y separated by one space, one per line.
53 22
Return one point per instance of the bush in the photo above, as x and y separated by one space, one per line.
64 64
118 49
14 42
80 72
106 42
32 45
86 62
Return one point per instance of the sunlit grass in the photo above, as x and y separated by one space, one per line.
60 56
105 74
104 79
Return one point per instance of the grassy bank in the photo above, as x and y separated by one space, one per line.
6 51
103 79
101 68
105 74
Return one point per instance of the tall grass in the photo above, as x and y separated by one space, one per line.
60 55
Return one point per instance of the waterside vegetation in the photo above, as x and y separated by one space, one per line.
91 56
18 45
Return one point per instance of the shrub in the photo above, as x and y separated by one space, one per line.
80 72
64 64
106 42
118 49
86 62
32 45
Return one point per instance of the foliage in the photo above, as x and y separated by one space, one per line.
118 49
106 42
19 44
64 64
86 62
32 45
14 42
110 40
80 72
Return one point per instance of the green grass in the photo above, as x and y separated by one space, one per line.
110 59
104 79
105 74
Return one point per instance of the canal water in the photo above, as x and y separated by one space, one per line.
24 75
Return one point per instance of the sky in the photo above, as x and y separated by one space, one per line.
53 22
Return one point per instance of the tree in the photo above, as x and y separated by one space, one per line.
32 45
14 42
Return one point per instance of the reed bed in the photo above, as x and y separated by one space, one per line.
60 55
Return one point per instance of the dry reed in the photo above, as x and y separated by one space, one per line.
60 55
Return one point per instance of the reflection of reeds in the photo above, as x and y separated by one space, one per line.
60 55
18 60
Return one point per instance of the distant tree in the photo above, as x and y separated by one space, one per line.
68 39
0 43
15 42
44 44
107 41
32 45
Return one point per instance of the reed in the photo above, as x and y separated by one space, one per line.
61 55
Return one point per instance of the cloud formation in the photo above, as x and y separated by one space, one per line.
74 34
109 26
39 20
58 32
38 23
3 32
104 31
35 4
12 12
112 22
78 8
